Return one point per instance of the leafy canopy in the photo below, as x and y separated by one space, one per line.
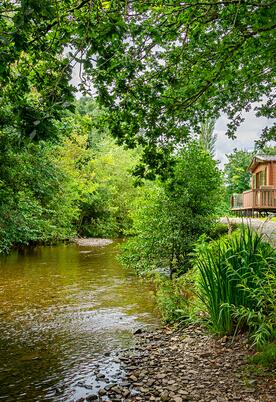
160 67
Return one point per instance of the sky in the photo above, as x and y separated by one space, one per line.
248 132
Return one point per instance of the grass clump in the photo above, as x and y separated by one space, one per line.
265 357
237 284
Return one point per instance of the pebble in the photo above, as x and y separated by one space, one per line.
187 365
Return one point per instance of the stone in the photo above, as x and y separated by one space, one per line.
109 386
165 396
92 397
102 391
177 398
116 389
138 331
185 365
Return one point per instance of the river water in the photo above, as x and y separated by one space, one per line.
64 311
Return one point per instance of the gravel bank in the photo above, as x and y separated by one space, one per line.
189 365
93 242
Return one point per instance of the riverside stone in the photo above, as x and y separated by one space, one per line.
189 365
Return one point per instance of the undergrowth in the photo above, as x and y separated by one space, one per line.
265 357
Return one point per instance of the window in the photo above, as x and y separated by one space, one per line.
259 179
254 181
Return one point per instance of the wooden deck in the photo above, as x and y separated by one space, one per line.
255 200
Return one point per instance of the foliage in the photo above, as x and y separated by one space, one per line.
169 216
236 171
35 207
105 211
237 284
207 137
218 230
53 191
159 68
188 62
177 298
266 356
267 150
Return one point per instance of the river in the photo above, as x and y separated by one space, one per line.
64 312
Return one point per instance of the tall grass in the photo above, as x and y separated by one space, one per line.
238 284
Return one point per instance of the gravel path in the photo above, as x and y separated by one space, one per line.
188 365
267 227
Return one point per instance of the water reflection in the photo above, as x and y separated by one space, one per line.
61 308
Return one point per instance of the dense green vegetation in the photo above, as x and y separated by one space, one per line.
265 358
169 216
52 191
161 68
162 73
238 283
236 171
231 288
35 205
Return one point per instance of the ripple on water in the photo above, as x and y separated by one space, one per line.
62 311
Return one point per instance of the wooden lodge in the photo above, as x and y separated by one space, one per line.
261 198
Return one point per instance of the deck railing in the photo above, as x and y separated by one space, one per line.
255 199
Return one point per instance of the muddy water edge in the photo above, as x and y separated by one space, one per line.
65 314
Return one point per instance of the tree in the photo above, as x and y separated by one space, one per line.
36 203
159 67
169 216
104 210
236 171
171 65
266 150
207 137
53 191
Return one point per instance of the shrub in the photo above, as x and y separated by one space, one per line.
177 298
238 284
169 216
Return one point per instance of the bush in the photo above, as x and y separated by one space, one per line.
220 229
169 216
238 284
177 298
36 204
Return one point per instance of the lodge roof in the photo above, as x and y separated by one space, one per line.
259 159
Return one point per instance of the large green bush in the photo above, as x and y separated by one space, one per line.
80 184
168 217
238 284
35 204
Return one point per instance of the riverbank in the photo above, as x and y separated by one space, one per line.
188 365
92 242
